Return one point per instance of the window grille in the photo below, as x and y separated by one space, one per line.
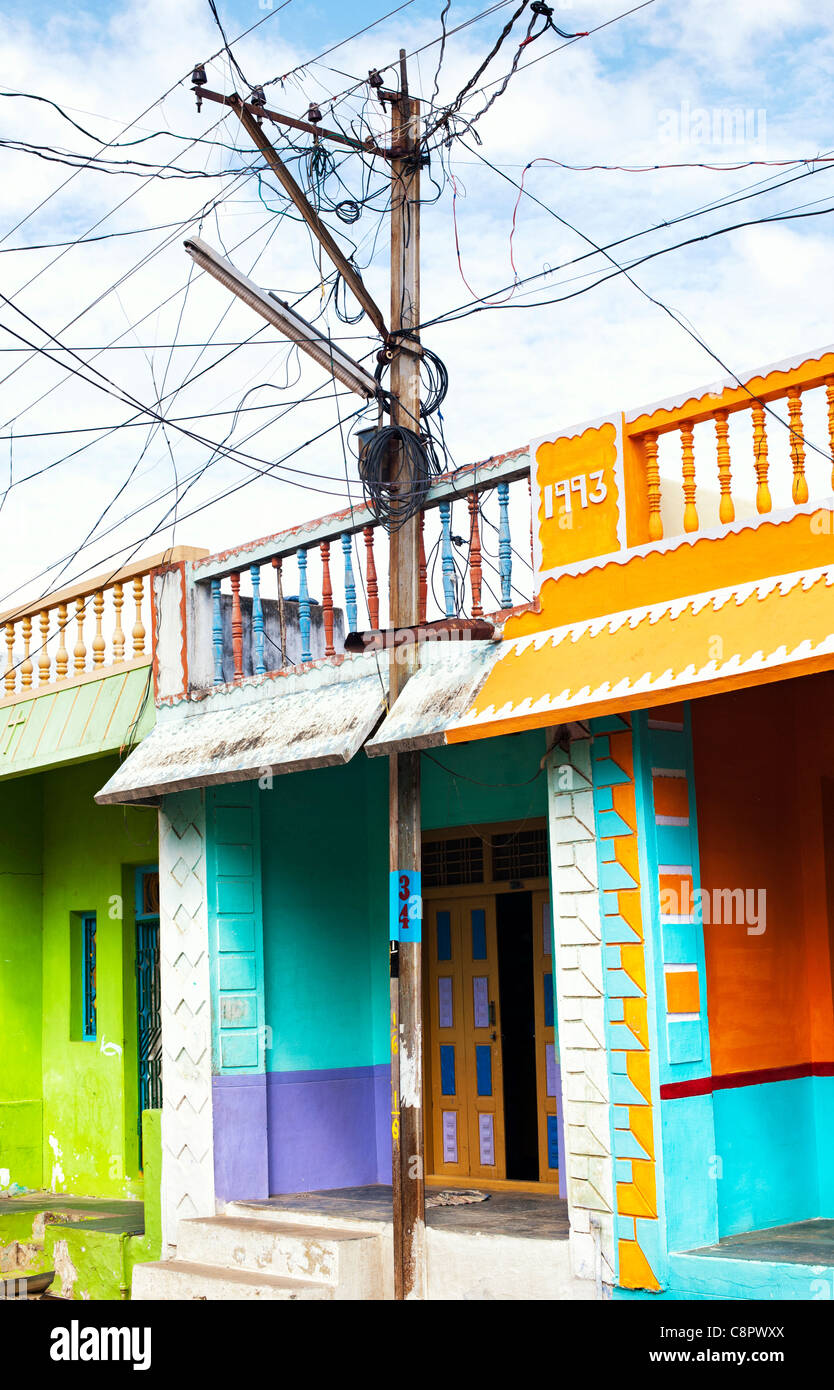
88 1022
519 854
447 862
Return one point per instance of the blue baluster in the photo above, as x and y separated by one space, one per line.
447 558
505 549
304 607
257 620
217 631
350 584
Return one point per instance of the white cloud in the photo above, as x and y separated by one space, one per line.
755 296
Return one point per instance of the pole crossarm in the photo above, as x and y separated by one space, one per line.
348 273
363 146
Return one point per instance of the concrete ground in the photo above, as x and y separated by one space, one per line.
801 1242
519 1214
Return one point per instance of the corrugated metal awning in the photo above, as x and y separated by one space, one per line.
75 722
445 687
320 718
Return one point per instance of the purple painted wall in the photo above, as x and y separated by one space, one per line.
328 1128
240 1137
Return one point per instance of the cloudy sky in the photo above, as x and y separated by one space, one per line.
738 82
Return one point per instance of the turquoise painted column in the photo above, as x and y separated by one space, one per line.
233 834
676 975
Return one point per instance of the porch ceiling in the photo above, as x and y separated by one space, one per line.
704 644
320 718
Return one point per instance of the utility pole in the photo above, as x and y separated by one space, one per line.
408 1166
401 341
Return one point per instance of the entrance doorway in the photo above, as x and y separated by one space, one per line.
148 1000
491 1053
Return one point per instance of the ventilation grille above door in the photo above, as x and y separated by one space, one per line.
519 854
447 862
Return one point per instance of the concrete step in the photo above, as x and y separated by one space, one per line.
183 1280
300 1216
347 1260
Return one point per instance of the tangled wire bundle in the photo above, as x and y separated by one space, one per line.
396 469
435 380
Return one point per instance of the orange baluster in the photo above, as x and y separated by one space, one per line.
118 634
237 626
79 651
475 556
726 510
27 665
653 487
44 662
62 655
763 502
370 570
99 644
690 511
799 489
138 633
11 674
327 599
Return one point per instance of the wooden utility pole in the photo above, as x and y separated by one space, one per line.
408 1167
402 341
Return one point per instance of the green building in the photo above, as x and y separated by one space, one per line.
80 1079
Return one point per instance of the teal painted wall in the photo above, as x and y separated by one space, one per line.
501 789
20 982
325 886
768 1149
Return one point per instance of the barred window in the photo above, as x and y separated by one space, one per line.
518 854
448 862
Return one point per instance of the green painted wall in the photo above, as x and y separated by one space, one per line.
68 1108
325 887
20 983
90 1135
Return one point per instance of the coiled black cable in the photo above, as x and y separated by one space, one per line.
396 467
434 379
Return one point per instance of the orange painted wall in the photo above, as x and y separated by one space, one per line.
760 756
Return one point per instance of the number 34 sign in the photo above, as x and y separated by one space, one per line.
405 909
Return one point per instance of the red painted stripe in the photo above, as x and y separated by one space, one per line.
705 1085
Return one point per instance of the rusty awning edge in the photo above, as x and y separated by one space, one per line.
322 726
450 676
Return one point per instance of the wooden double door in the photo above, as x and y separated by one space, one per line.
492 1083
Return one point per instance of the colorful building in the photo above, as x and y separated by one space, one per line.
626 800
80 1078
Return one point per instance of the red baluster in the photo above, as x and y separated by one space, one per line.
423 578
373 588
475 556
327 599
237 626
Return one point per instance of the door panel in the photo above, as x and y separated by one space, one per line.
464 1027
547 1049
